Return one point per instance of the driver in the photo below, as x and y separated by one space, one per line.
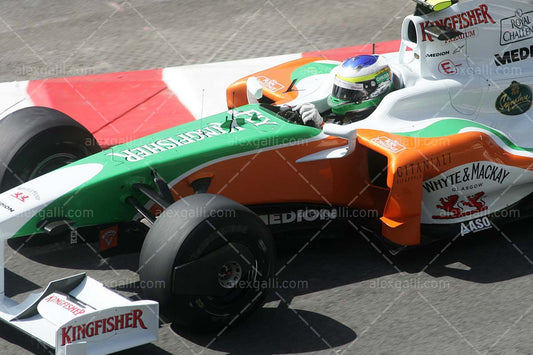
360 84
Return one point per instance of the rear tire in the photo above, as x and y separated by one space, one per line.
211 294
37 140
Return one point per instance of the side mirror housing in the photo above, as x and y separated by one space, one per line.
254 90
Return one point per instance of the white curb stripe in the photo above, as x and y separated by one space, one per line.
13 97
202 88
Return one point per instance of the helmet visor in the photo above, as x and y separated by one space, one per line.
354 92
353 95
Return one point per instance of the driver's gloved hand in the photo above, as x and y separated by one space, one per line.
310 115
284 108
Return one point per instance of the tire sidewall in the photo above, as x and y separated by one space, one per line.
33 134
216 232
195 236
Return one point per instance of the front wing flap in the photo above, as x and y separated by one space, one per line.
79 315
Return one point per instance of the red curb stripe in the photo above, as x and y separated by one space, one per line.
113 106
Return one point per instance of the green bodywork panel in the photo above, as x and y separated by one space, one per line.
172 153
314 68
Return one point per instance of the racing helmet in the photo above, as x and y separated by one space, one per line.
360 84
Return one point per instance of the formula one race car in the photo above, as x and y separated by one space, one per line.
452 138
445 154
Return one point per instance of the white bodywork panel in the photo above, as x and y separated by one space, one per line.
470 89
75 315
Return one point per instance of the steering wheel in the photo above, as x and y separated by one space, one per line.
291 116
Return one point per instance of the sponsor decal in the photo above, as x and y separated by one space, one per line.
515 100
447 67
384 76
30 192
270 84
452 207
404 173
458 49
465 35
476 225
213 129
65 304
309 215
473 175
96 327
516 28
462 21
7 207
20 196
299 216
462 192
436 55
390 144
513 56
108 238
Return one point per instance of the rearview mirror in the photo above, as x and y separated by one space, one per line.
254 90
342 131
442 33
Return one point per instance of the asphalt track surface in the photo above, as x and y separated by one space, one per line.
469 296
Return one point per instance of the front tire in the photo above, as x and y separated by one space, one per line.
207 261
37 140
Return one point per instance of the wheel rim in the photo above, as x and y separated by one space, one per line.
51 163
245 289
230 274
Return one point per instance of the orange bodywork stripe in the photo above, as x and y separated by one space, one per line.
274 176
407 171
236 92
